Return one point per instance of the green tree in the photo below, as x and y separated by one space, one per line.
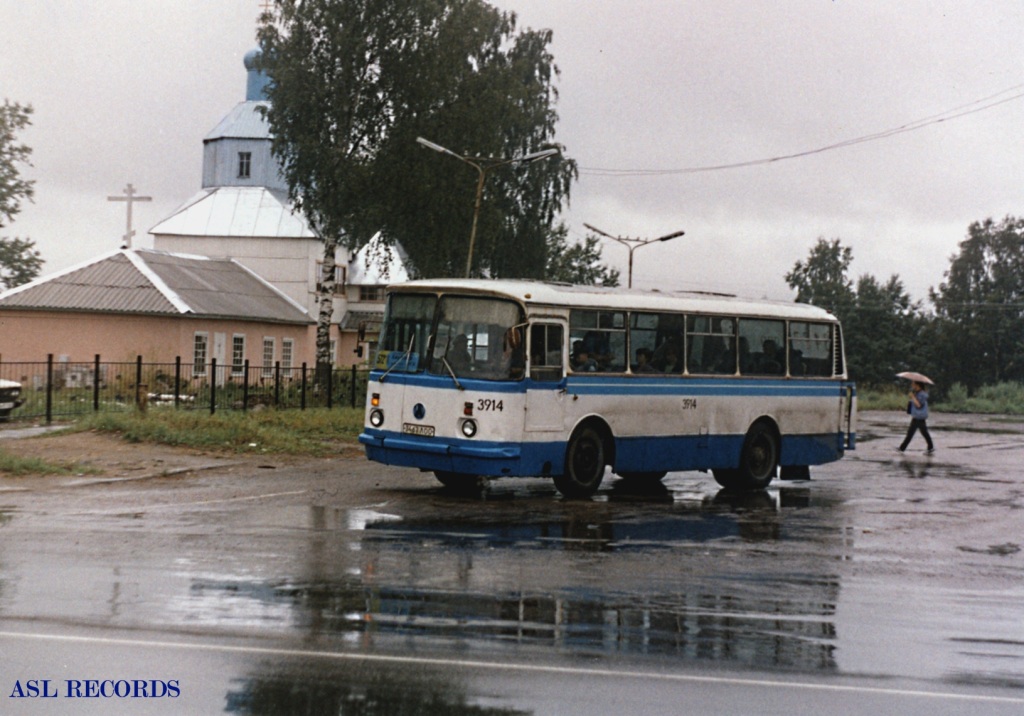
881 325
354 82
578 263
980 305
19 261
487 94
822 279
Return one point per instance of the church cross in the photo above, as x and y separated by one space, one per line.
131 198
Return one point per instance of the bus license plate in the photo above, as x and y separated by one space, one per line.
5 406
426 431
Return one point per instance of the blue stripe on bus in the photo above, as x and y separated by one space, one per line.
636 385
642 454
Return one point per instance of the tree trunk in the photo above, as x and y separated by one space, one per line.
326 292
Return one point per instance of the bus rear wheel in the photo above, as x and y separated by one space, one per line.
584 464
759 460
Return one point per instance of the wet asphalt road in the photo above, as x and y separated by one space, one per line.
889 583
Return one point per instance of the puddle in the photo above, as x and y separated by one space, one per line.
588 579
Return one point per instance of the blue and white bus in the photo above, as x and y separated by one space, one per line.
524 378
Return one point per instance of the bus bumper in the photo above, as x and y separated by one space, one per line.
471 458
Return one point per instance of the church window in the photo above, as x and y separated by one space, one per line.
371 293
268 357
287 353
199 352
237 354
244 165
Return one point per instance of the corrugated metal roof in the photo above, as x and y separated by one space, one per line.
142 281
233 211
370 319
245 121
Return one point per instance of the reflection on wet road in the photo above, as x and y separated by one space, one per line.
885 567
680 580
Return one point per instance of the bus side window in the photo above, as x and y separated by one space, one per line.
811 346
762 347
546 352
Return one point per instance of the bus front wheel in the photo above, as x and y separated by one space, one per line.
584 464
759 460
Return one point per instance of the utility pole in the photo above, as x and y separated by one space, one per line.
130 198
483 166
633 244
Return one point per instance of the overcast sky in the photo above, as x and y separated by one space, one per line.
651 91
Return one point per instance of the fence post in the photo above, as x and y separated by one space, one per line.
277 384
302 400
140 389
96 384
245 386
49 388
330 387
353 385
213 386
177 381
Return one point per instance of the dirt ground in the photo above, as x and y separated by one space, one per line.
109 456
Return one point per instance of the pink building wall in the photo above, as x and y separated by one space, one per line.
29 336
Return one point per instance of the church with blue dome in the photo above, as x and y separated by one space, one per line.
242 211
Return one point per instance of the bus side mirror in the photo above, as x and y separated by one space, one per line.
358 351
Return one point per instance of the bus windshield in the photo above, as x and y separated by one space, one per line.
407 322
472 337
478 338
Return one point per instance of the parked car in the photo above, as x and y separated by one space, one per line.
10 398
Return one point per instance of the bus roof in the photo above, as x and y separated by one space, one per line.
540 293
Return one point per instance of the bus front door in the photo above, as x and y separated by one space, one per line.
545 394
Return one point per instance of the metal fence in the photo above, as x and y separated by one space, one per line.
55 389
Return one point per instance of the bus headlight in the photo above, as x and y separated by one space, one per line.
376 417
469 428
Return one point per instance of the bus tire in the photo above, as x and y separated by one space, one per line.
584 464
457 480
759 461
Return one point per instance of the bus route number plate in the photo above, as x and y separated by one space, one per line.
426 431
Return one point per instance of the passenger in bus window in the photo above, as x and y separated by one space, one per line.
581 360
643 361
458 355
598 347
670 362
770 363
746 358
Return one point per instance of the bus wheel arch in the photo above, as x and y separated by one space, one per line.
758 459
588 451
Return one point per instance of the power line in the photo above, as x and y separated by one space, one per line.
979 105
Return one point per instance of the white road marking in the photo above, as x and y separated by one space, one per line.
520 667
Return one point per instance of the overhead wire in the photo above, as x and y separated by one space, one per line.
964 110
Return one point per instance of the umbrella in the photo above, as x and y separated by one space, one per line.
916 377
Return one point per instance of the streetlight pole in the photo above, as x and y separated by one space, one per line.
634 244
483 166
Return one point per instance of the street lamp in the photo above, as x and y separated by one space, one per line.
633 244
483 166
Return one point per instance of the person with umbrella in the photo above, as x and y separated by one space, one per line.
918 409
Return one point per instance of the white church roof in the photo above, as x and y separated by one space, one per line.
245 121
378 263
234 211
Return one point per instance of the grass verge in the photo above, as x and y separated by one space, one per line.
316 432
20 466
